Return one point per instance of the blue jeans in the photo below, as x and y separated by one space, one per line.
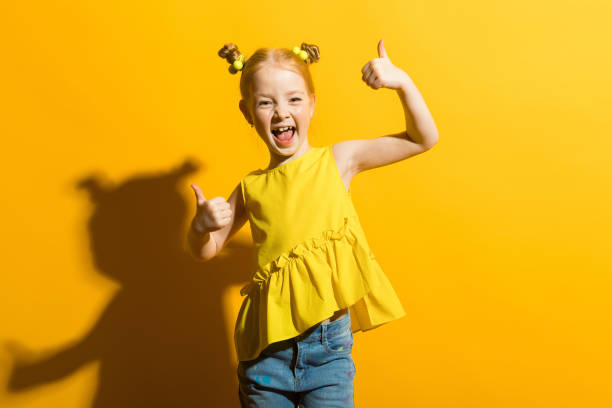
314 369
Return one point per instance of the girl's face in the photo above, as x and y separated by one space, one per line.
280 99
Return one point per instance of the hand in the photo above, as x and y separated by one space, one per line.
381 73
211 215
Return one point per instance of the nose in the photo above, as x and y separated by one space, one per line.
281 111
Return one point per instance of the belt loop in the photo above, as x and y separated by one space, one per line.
323 332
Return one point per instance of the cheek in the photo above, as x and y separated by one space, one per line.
262 117
302 114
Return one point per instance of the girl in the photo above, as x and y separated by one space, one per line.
316 280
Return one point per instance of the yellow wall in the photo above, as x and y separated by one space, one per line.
497 240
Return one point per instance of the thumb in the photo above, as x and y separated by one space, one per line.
198 193
381 49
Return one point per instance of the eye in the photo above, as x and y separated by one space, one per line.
296 98
262 102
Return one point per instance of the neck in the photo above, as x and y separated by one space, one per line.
278 159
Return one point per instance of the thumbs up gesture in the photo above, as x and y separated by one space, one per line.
211 215
381 73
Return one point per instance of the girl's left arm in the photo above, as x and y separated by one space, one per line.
420 126
420 135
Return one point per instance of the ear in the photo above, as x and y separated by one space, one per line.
313 101
245 111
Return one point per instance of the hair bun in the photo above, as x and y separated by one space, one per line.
312 51
230 53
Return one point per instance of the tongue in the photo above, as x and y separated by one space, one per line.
285 135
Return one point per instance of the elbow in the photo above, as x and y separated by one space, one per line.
198 258
194 256
425 141
201 258
431 142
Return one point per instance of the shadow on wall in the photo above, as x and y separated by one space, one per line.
161 341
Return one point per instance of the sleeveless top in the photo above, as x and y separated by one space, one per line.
312 257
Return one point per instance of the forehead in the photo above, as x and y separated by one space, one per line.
275 79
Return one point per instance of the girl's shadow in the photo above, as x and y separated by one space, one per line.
162 340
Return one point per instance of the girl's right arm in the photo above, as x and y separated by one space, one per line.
215 222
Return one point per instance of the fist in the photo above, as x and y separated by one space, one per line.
211 215
381 73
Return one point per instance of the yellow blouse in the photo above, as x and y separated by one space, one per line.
312 256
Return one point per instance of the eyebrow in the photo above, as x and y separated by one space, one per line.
288 93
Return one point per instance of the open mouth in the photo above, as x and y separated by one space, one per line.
284 135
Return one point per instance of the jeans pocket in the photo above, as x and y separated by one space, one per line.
338 342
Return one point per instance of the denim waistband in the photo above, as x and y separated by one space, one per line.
336 326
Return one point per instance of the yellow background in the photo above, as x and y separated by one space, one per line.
497 240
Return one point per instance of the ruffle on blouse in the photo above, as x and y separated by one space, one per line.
323 254
307 284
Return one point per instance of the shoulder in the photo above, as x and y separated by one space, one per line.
249 176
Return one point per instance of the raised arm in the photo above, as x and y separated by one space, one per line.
215 222
421 134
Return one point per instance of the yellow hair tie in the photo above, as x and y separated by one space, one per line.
300 53
239 63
